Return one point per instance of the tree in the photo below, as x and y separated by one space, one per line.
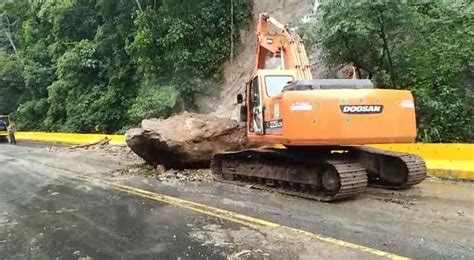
420 46
153 102
88 65
184 42
10 24
11 82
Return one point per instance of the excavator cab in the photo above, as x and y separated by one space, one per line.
264 85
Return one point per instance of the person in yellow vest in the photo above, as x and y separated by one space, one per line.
11 133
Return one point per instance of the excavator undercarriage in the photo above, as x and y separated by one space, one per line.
322 173
391 170
316 178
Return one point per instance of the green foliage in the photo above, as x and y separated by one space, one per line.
74 21
85 65
30 115
153 102
422 46
11 83
79 100
181 41
39 70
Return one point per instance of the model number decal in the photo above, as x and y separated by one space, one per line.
361 109
274 124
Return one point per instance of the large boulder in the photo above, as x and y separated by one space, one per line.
187 140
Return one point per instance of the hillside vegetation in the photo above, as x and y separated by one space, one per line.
103 65
423 46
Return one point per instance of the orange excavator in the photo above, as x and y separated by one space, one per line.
314 129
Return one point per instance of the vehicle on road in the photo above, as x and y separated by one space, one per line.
4 123
321 124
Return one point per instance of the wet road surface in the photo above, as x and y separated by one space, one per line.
49 216
44 214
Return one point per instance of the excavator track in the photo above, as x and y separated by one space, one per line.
322 179
391 170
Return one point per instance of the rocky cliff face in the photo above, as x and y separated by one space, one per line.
236 73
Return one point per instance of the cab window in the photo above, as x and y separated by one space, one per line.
255 92
275 84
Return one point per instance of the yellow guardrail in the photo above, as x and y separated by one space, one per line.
68 138
453 161
463 152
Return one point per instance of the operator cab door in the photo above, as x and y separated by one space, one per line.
257 125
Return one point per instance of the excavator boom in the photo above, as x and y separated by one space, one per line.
282 44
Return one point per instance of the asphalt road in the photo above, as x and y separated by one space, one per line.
48 217
45 215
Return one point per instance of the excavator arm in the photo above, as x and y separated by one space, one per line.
282 44
288 47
